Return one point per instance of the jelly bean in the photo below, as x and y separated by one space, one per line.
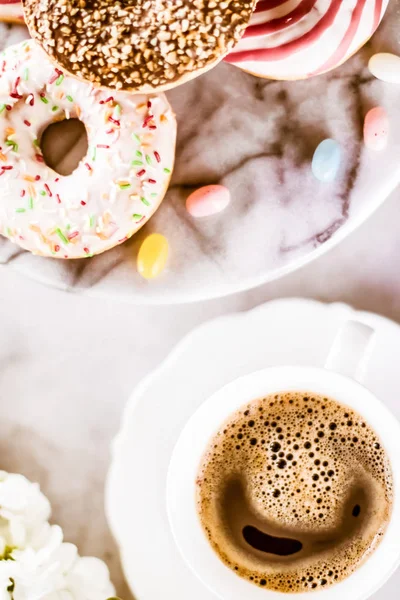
326 160
386 67
376 129
152 256
208 200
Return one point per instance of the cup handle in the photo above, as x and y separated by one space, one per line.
351 350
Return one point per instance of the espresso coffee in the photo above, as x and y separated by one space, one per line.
295 492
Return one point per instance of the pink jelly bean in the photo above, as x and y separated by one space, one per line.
376 129
208 200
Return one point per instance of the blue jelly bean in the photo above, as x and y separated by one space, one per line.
326 160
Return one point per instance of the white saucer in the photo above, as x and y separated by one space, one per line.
280 332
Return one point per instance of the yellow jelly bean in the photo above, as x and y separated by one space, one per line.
152 256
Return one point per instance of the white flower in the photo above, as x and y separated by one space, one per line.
24 513
35 563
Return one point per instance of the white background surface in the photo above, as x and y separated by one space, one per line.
68 364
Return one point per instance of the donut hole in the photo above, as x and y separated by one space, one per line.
64 144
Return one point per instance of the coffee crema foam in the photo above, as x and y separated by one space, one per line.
295 492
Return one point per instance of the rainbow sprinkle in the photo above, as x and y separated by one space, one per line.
62 236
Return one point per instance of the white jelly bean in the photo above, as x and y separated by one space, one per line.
376 129
326 160
208 200
385 66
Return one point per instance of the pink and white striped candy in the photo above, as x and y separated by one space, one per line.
11 11
295 39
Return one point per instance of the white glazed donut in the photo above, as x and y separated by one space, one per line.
116 187
295 39
11 11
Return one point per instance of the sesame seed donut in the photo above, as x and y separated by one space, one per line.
137 45
11 11
116 187
295 39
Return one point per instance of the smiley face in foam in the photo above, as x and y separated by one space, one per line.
294 492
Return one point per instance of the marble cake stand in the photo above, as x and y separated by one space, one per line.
256 137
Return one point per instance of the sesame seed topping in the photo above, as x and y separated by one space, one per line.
137 45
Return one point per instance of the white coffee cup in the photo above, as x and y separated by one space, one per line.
339 380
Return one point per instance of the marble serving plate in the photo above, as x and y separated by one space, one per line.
256 137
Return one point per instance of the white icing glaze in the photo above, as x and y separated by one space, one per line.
11 12
115 188
353 24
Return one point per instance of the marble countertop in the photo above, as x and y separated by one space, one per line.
68 364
